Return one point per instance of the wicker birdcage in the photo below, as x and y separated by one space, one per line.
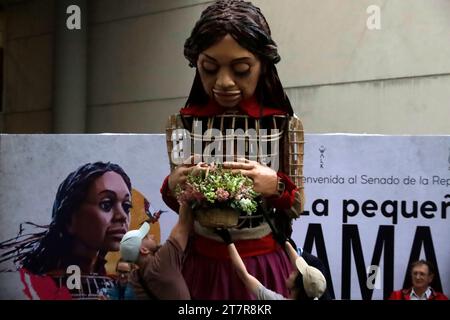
276 141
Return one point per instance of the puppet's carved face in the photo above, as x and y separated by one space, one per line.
229 72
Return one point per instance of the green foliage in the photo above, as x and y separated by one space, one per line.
218 187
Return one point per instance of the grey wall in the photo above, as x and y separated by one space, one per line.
138 74
340 76
2 45
28 67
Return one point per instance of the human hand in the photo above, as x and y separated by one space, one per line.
265 179
292 243
224 234
280 238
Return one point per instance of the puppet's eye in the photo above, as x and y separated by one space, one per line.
209 67
241 68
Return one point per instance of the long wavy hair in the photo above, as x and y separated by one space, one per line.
247 25
50 249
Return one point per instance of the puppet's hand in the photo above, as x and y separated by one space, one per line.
265 179
179 175
224 234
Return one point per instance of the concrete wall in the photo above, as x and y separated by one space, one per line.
339 75
28 67
138 74
342 77
2 45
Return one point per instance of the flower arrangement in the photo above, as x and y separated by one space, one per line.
216 187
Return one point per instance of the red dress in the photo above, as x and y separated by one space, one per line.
207 269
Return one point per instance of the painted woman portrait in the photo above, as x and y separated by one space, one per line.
91 213
236 86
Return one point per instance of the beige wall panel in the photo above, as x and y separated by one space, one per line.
405 106
148 117
28 70
107 10
140 59
28 122
33 18
328 41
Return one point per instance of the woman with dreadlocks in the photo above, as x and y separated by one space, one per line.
89 218
236 86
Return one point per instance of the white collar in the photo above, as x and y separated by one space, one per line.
425 296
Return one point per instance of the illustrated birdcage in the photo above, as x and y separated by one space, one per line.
276 141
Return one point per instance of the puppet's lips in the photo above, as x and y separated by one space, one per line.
227 97
227 94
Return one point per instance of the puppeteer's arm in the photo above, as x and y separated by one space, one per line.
250 282
183 227
292 254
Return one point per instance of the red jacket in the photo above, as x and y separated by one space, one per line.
405 294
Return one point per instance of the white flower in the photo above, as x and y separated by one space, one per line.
246 205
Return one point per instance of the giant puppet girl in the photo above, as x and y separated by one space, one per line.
236 87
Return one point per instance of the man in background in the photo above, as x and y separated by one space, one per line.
422 273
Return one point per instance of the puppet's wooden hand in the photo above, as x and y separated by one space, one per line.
179 175
265 179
